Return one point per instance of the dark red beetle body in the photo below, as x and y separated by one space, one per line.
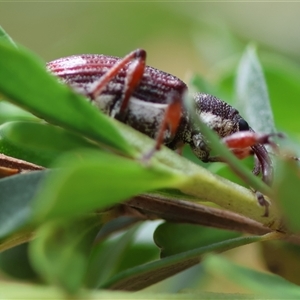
148 101
151 101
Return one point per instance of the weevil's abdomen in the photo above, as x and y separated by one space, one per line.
82 72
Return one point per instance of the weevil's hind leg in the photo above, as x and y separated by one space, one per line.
170 121
134 75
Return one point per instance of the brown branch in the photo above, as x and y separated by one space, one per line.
11 166
181 211
153 206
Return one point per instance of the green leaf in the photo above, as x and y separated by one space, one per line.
106 257
252 94
287 189
10 112
14 262
255 282
283 82
42 95
39 143
145 275
176 238
99 180
16 194
4 37
61 250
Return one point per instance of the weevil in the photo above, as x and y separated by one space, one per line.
151 101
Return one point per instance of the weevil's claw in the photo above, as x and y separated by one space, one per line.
263 202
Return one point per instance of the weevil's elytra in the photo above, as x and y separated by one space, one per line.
147 103
151 101
82 73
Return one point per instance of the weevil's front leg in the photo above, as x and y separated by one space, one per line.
254 143
134 75
244 139
245 143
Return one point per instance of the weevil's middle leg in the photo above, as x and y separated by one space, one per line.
134 75
170 121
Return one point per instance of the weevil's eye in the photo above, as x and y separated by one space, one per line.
243 125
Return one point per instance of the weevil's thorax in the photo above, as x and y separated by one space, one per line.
216 114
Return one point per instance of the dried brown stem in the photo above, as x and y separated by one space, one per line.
10 166
159 207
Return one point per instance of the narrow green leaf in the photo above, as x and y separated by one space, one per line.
287 189
4 37
99 180
283 82
14 262
145 275
61 250
42 95
16 193
39 143
20 237
256 282
10 112
105 258
252 94
175 238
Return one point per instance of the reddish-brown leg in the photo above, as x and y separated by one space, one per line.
134 75
245 139
171 121
135 71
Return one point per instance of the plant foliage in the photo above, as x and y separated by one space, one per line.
74 208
